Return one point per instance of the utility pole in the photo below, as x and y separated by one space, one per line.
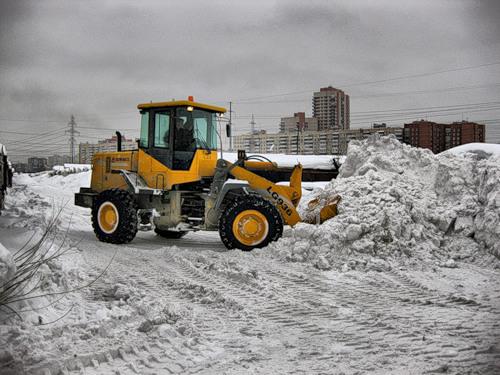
72 132
252 131
230 126
298 131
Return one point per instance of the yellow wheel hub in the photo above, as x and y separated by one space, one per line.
108 217
250 227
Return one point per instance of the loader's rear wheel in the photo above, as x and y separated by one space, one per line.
250 222
114 216
170 233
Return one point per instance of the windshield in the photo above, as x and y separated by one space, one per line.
203 125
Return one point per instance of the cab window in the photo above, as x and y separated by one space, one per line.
201 131
143 140
205 129
162 130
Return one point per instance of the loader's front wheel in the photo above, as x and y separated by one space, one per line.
114 216
250 222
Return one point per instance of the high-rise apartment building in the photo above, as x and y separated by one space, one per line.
331 108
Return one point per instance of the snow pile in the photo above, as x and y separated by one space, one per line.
476 148
35 200
67 185
70 168
7 266
402 204
35 285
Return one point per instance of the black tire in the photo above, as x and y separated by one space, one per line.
126 227
249 202
170 233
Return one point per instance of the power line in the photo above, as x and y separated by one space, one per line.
43 139
407 117
85 120
457 88
397 78
108 129
22 133
380 95
38 137
30 151
461 107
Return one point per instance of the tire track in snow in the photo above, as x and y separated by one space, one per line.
301 316
428 316
167 354
358 322
370 300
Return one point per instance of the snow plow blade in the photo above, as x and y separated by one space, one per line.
314 215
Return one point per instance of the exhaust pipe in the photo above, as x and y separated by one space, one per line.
118 141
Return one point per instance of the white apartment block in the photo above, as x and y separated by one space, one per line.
87 150
330 142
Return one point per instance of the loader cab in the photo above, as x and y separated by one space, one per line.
172 132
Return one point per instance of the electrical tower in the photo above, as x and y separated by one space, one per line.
252 125
72 132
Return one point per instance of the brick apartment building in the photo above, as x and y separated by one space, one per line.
440 137
299 121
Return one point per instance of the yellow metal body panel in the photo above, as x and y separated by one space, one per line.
159 176
261 165
296 184
285 198
105 162
155 174
182 103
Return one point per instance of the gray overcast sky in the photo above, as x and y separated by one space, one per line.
98 59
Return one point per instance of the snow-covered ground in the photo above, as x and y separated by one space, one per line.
388 286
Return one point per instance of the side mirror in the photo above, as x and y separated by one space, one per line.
228 130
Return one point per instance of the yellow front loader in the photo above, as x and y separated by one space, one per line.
174 183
